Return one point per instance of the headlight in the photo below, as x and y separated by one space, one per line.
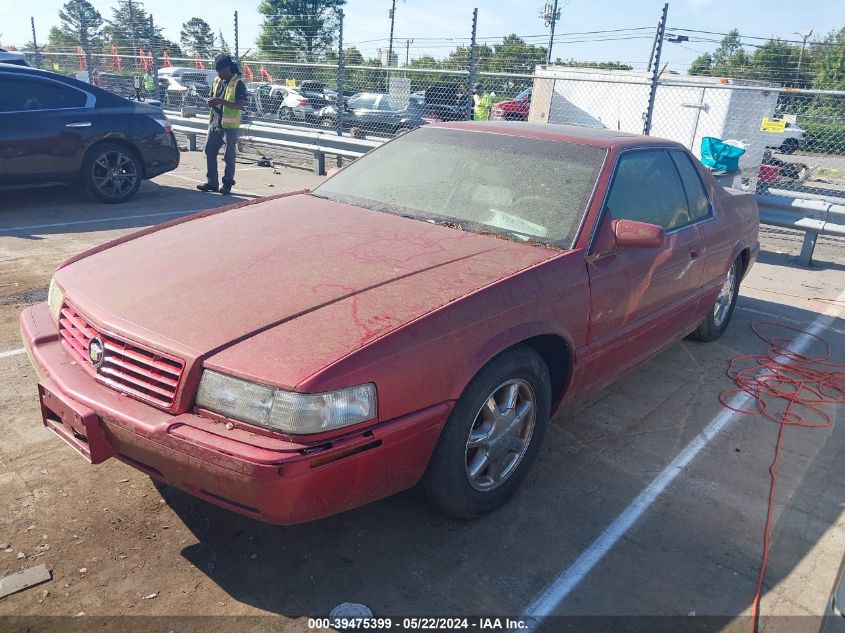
55 298
286 411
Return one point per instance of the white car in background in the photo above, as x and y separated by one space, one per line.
281 103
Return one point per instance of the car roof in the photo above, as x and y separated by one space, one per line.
583 135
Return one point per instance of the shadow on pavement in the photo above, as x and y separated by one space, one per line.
30 213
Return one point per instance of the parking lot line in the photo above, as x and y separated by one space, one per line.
16 229
551 597
12 352
783 318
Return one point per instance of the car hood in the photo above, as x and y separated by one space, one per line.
202 286
510 103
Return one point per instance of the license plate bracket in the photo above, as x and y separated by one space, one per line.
75 423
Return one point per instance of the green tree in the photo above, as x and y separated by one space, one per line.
702 65
222 44
828 61
81 23
197 38
298 30
130 30
58 40
515 56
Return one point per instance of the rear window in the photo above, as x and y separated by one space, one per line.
30 94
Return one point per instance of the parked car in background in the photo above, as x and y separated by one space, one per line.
181 88
13 57
791 139
515 109
373 112
443 102
269 100
435 302
55 128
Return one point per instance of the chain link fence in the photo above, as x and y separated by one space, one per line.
784 108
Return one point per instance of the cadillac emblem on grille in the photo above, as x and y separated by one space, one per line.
96 352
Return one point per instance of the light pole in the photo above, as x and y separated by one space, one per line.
804 37
407 50
392 21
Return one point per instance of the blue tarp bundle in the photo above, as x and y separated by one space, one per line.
720 156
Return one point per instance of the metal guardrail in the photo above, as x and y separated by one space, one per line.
319 142
813 217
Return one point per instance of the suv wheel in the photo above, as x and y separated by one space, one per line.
111 173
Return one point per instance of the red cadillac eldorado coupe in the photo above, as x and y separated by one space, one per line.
417 318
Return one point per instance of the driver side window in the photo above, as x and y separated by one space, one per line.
647 188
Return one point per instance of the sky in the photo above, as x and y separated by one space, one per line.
436 26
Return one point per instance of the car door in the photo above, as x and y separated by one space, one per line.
717 243
262 96
44 127
361 111
642 299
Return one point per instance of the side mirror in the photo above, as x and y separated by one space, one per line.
633 234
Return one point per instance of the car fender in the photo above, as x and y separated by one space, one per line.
504 340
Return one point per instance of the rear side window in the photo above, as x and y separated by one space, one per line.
18 95
647 188
697 200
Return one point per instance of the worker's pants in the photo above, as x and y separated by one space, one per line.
216 138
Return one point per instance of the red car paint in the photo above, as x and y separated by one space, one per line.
512 109
310 295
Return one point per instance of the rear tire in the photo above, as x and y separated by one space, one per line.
111 172
789 146
717 319
487 448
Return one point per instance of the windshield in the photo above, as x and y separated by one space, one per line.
525 94
523 188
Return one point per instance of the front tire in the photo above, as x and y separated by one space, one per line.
717 319
492 436
111 173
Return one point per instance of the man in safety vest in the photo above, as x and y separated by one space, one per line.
228 97
482 102
150 83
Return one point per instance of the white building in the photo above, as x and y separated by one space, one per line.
686 108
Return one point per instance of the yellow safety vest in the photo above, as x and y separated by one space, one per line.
149 82
231 118
482 104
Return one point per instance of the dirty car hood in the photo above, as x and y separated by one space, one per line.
204 285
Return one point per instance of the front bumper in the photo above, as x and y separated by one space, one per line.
269 478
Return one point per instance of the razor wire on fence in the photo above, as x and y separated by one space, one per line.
771 113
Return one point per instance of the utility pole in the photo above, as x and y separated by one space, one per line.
35 44
804 37
392 21
237 52
471 68
655 72
550 14
407 49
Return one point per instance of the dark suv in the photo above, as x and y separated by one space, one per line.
58 129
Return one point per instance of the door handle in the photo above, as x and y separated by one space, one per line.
696 253
79 124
